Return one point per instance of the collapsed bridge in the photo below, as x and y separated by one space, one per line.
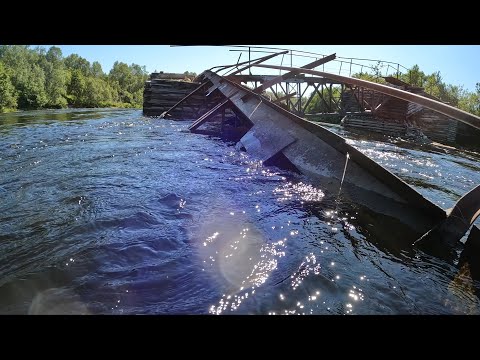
272 126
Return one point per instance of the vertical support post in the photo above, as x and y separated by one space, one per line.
340 106
398 70
288 98
363 97
281 63
299 102
331 95
249 60
350 73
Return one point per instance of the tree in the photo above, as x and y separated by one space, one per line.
128 81
414 76
8 98
76 62
54 55
77 87
55 86
55 78
470 101
96 69
434 85
97 93
374 76
32 94
190 75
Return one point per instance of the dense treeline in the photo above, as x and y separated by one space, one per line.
433 84
36 78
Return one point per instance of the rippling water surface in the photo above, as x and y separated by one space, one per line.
107 212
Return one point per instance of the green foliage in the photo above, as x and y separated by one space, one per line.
414 76
470 101
55 78
8 99
129 82
434 85
31 88
190 75
77 87
34 78
76 62
322 104
96 69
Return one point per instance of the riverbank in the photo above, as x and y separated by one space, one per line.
110 106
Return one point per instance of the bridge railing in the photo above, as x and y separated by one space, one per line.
346 66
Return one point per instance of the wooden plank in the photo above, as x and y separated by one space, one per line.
165 76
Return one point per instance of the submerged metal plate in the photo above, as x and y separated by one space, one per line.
266 139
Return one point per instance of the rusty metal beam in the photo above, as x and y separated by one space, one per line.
440 107
250 78
184 99
223 67
258 61
398 82
284 98
202 119
294 79
280 78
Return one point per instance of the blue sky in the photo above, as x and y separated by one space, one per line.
458 64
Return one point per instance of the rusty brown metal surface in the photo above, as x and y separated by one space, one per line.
394 81
440 107
280 78
293 79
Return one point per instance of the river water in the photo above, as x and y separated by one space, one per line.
108 212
